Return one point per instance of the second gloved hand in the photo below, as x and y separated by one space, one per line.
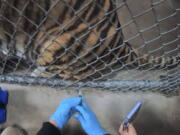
65 110
88 120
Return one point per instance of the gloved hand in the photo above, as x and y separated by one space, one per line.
3 115
65 110
3 96
3 103
88 120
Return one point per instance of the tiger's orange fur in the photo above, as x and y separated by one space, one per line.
70 39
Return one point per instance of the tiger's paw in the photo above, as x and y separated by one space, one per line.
41 72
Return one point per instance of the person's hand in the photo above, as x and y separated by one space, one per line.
131 130
64 111
88 120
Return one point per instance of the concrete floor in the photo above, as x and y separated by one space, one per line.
30 106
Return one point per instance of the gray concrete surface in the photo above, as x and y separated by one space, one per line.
29 106
156 47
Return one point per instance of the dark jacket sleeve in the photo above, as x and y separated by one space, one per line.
48 129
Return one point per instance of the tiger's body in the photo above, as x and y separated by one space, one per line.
70 39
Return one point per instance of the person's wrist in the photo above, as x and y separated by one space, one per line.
53 123
55 118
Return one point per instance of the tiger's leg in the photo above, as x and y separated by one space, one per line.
55 53
40 72
55 71
134 58
48 47
52 54
138 60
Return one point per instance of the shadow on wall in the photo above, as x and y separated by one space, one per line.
151 124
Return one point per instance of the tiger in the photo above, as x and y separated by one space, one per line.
69 39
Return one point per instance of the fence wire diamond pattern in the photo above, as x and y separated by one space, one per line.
117 45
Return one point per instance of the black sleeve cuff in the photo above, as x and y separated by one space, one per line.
48 129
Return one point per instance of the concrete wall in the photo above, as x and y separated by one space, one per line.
29 106
148 19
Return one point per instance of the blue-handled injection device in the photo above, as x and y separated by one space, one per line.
131 115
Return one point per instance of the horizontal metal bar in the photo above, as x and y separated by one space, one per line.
170 84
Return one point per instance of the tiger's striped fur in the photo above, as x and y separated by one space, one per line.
70 39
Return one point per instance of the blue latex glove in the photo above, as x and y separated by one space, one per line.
2 115
3 96
65 110
88 120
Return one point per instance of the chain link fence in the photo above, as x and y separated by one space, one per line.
151 27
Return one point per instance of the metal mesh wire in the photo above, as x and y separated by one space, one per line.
151 27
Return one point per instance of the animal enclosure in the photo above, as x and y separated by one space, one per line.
104 44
